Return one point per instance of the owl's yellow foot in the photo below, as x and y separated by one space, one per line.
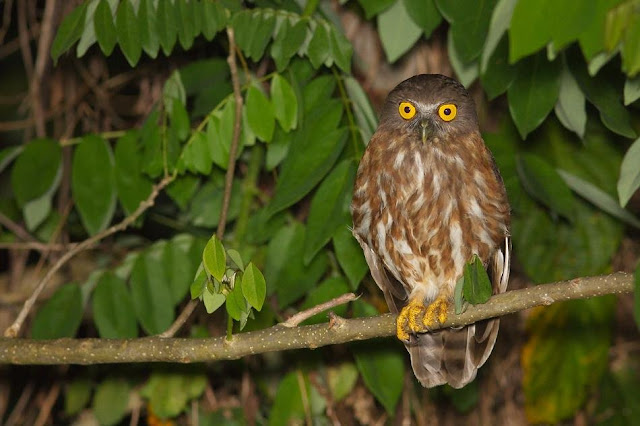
410 319
436 313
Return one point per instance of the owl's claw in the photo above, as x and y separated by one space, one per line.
436 313
416 318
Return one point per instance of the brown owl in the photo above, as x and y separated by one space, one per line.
428 196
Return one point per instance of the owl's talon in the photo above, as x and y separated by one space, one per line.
409 320
436 313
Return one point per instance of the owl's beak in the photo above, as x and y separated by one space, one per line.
427 129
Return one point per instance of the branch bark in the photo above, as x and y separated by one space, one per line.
278 338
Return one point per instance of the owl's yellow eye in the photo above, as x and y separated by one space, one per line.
407 111
447 112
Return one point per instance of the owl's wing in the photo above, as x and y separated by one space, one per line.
394 293
454 356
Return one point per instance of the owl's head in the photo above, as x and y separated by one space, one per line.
432 105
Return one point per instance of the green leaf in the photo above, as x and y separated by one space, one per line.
196 155
169 392
382 369
148 24
182 189
36 211
131 185
110 403
257 30
254 287
617 395
178 269
93 183
285 103
104 27
329 208
199 283
469 21
36 171
69 31
465 72
301 172
543 183
366 118
631 91
214 258
570 108
374 7
88 37
319 47
236 258
350 257
636 296
59 316
593 35
212 301
551 245
236 303
77 393
398 32
424 13
205 207
290 37
530 28
565 357
167 26
477 287
128 32
629 180
113 310
599 198
341 49
214 18
151 294
288 405
603 93
325 291
260 114
180 119
186 20
631 46
499 74
500 20
7 155
534 92
341 380
285 272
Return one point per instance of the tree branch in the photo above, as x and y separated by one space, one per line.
278 338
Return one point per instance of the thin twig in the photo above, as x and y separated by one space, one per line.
182 318
278 338
14 329
18 230
228 183
231 59
42 60
296 319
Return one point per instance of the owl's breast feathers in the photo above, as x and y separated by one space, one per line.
425 208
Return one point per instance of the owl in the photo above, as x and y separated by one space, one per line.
427 198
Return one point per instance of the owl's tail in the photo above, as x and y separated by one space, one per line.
452 356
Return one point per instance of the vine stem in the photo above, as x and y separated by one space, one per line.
228 182
280 338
